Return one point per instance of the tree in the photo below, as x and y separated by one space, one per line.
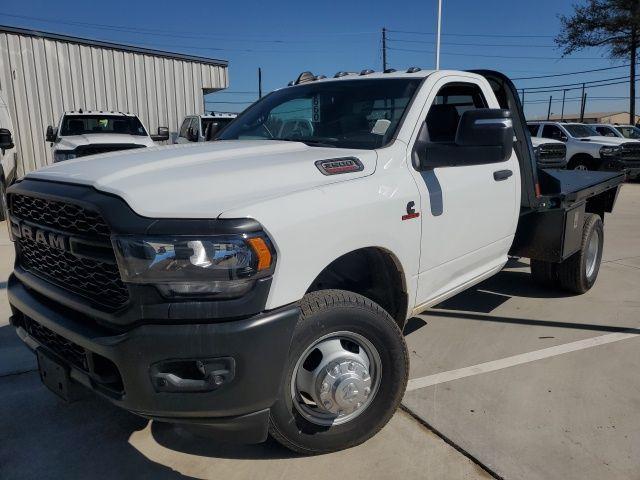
611 24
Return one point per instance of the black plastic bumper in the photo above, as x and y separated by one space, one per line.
238 410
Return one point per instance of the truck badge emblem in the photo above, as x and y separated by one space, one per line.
411 211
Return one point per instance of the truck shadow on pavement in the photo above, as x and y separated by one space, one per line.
44 437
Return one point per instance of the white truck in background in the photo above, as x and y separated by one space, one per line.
589 150
203 128
549 153
259 284
81 133
8 166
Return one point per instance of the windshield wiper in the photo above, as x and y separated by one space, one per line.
307 141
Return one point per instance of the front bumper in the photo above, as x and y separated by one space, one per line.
237 410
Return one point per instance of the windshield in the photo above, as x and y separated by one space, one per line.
87 124
581 131
630 132
347 113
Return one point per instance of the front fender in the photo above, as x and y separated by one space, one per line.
312 228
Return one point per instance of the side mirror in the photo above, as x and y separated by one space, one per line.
6 140
483 136
52 134
162 136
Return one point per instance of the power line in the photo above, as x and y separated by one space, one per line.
498 56
579 87
402 40
493 35
185 34
534 89
571 73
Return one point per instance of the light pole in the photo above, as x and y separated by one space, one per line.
438 35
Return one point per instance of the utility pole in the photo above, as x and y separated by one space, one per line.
438 35
564 92
583 99
384 49
549 110
259 82
584 104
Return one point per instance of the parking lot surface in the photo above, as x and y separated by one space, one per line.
527 382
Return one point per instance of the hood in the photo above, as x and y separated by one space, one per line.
604 140
70 142
536 141
203 180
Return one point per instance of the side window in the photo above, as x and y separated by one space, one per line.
195 126
450 103
184 127
533 130
554 132
605 131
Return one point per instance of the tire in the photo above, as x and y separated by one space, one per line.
580 162
545 273
3 201
323 314
577 273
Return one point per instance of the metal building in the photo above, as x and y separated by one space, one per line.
44 74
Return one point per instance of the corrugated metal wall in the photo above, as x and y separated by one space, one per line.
40 78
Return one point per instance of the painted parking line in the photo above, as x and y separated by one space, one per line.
443 377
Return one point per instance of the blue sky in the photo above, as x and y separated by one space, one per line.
287 37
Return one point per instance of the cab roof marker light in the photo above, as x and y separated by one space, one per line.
413 69
366 71
341 74
390 70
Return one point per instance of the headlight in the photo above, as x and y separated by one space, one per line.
610 151
62 155
222 266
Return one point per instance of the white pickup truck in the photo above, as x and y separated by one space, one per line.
260 283
85 133
589 150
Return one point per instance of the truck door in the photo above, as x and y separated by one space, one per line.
469 213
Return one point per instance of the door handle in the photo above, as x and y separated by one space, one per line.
500 175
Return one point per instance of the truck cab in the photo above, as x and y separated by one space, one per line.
259 284
587 149
82 133
203 128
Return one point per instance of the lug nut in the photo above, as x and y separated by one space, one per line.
367 391
218 379
325 386
351 366
327 404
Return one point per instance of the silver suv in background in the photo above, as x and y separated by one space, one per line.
588 150
203 128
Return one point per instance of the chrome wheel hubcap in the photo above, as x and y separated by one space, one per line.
592 253
336 378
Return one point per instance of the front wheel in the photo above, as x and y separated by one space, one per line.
345 377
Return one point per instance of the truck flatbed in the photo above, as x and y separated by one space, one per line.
570 186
